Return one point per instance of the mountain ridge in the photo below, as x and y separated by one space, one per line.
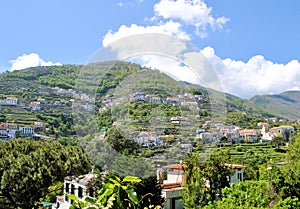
285 105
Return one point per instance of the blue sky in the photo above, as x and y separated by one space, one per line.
253 45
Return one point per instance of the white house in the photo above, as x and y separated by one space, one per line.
269 134
39 125
35 106
249 135
173 100
205 136
238 175
62 91
26 131
76 186
8 130
172 185
138 96
9 101
148 139
153 99
42 101
178 120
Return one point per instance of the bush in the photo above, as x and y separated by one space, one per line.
288 203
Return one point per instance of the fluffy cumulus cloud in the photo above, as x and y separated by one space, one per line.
173 18
29 60
169 28
173 68
190 12
256 76
245 79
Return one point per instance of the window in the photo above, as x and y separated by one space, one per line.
80 192
72 189
240 177
91 192
67 187
165 175
66 198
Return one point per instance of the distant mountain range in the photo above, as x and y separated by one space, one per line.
285 105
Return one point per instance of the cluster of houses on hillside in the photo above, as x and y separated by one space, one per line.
9 101
175 100
36 106
222 134
187 99
40 103
149 139
12 130
236 134
206 134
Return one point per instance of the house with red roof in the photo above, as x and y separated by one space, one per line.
172 182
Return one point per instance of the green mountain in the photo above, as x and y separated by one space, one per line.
240 112
36 83
285 105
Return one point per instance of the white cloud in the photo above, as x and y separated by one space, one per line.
171 67
244 79
257 76
171 17
29 60
170 28
120 4
192 12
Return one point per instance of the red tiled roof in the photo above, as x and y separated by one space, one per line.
179 166
171 185
234 166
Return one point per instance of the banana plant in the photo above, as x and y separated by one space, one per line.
119 192
115 194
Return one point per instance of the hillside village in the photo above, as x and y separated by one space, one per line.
181 125
165 104
233 134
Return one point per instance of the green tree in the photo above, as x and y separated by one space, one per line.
286 179
54 190
149 192
292 171
286 135
120 143
204 178
28 168
243 195
278 141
